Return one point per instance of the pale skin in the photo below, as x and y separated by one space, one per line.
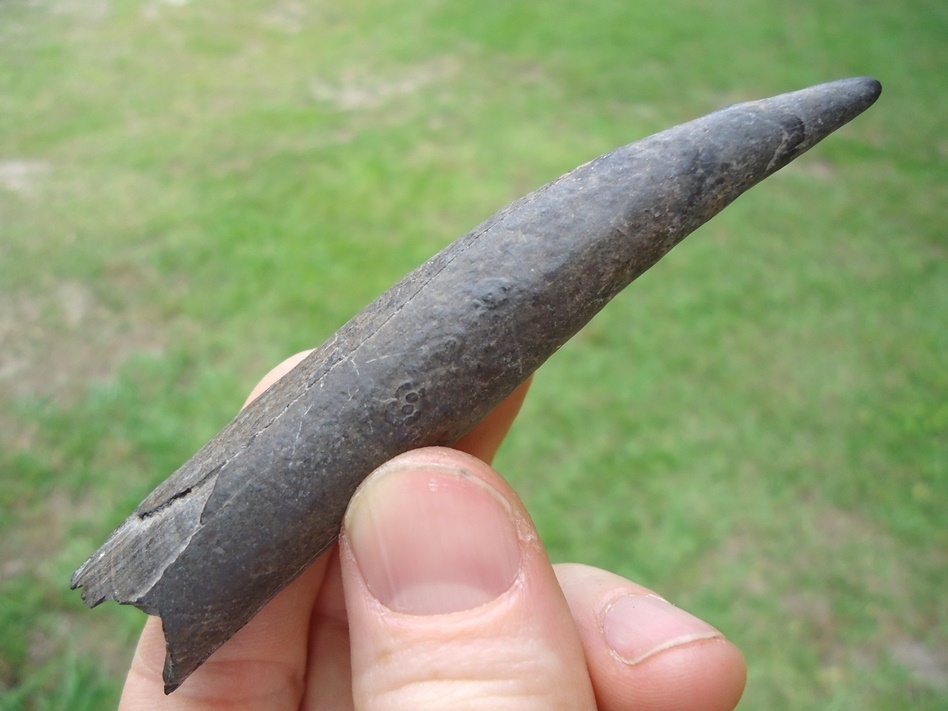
439 595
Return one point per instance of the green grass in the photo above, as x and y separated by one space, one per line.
757 428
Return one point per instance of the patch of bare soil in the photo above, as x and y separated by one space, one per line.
875 563
20 175
864 567
358 91
58 340
930 666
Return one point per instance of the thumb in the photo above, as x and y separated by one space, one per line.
452 601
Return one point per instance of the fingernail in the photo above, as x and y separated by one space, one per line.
638 627
432 539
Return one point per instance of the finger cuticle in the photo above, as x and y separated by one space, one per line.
638 627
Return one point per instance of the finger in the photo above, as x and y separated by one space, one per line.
484 440
646 654
452 601
329 671
262 666
275 374
226 677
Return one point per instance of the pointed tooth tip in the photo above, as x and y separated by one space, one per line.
858 93
871 84
873 89
866 88
826 107
848 98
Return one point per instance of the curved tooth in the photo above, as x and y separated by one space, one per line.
426 361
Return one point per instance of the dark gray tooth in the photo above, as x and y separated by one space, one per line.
428 360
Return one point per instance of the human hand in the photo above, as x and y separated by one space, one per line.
439 595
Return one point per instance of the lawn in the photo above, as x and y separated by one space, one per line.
191 191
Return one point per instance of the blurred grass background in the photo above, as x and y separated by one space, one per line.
757 428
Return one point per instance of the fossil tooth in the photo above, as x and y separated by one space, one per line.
426 361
